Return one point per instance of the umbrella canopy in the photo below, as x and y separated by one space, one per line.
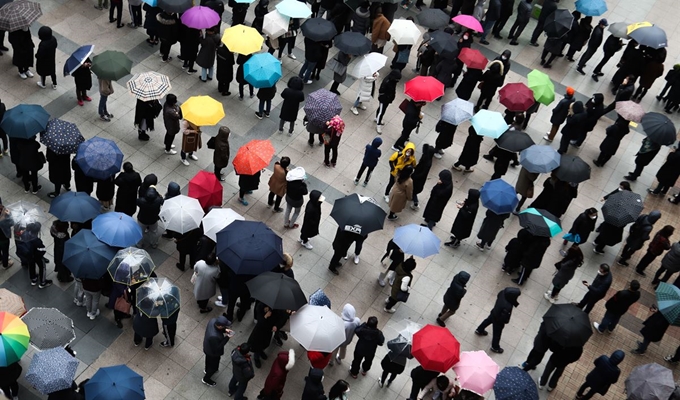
567 325
622 208
424 88
572 169
317 328
14 338
318 29
217 219
650 36
542 86
399 350
275 24
499 196
457 111
319 298
435 348
476 371
469 22
61 137
27 218
262 70
659 128
277 290
99 158
359 214
539 159
667 298
203 110
158 297
630 110
85 256
473 58
403 31
591 8
619 29
294 9
632 27
24 121
130 266
19 14
49 328
249 247
558 23
115 383
539 222
417 240
514 141
489 123
253 156
352 43
117 229
111 65
147 86
174 6
181 214
11 303
444 44
199 17
52 370
75 207
322 105
405 327
206 188
649 381
433 18
516 97
77 58
513 383
368 65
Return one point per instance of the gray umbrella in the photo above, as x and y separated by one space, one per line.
622 208
49 328
433 18
52 370
619 29
650 36
650 381
457 111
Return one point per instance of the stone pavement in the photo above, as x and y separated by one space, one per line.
175 373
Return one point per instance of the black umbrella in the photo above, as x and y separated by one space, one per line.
318 29
539 222
400 350
572 169
558 23
353 43
444 44
659 128
277 290
433 18
568 325
622 208
175 6
514 141
358 214
249 247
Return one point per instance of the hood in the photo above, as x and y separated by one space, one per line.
151 194
617 357
173 191
411 146
150 180
654 216
445 176
473 195
224 131
314 196
263 3
296 174
348 313
376 142
362 12
577 107
598 98
511 294
395 75
461 278
507 54
497 66
44 33
286 359
409 264
315 375
295 83
428 152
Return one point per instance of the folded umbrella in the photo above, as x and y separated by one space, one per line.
117 229
558 23
199 17
175 6
572 169
649 381
115 383
567 325
181 214
24 121
203 110
539 222
317 328
499 196
318 29
476 371
399 350
668 301
321 106
473 58
249 247
52 370
87 257
539 159
424 88
99 158
27 219
75 207
61 137
77 58
368 65
294 9
275 24
253 156
49 328
277 290
516 97
469 22
130 266
542 86
489 123
111 65
417 240
622 208
14 338
435 348
352 43
514 141
158 297
591 8
262 70
147 86
650 36
513 383
659 128
457 111
217 219
433 18
619 29
630 110
19 14
358 214
11 303
403 31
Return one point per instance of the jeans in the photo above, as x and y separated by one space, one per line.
150 234
78 292
497 330
609 321
290 221
184 155
237 388
282 123
306 70
136 15
207 73
266 106
487 25
327 148
361 172
380 112
275 200
102 105
357 102
92 301
365 366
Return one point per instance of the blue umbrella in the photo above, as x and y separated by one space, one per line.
115 383
99 158
489 123
591 8
249 247
262 70
152 3
294 9
24 121
319 298
499 196
513 383
539 159
62 137
52 370
417 240
85 256
117 230
75 207
77 58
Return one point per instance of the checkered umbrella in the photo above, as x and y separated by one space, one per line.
622 208
148 86
49 328
19 14
62 137
52 370
321 106
668 299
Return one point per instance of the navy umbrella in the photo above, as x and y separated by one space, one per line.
24 121
77 58
513 383
85 256
318 29
118 382
52 370
353 43
249 247
499 196
62 137
99 158
75 207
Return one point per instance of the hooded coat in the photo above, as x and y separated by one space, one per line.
583 226
470 154
594 108
567 269
514 251
439 197
671 261
83 182
292 97
398 159
446 132
614 134
468 83
149 207
225 65
670 170
351 323
605 373
534 252
506 300
147 111
422 169
454 294
491 225
388 88
261 335
149 180
492 79
368 339
313 385
462 225
361 20
45 56
144 326
221 153
372 153
276 380
576 123
561 110
22 47
59 166
641 229
312 217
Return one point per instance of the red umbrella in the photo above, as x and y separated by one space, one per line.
435 348
205 188
472 58
253 156
516 97
424 88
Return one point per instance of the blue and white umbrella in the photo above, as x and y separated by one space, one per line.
417 240
319 298
77 58
52 370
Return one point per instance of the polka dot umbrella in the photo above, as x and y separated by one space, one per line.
513 383
62 137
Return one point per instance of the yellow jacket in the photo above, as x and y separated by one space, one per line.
398 160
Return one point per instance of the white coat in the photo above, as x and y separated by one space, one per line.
366 87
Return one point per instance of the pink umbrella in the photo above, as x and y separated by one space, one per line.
476 371
468 21
200 17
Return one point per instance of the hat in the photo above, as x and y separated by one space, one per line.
570 90
222 321
604 22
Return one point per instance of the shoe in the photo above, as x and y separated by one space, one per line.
481 333
166 344
379 128
258 115
185 162
641 273
171 152
40 84
389 311
54 86
87 98
36 189
356 259
218 303
193 157
547 66
497 36
395 148
29 73
516 281
440 323
354 111
356 182
143 137
542 62
538 383
364 184
191 71
622 263
23 75
669 358
598 73
547 138
93 316
580 71
513 43
595 78
45 284
483 41
392 217
309 82
380 382
306 245
597 327
243 201
206 310
498 350
550 389
80 103
292 56
277 210
638 352
456 167
597 252
52 195
437 156
386 198
334 270
211 383
480 248
363 107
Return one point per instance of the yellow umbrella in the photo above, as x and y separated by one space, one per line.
637 25
242 39
202 111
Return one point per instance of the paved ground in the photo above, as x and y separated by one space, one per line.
175 373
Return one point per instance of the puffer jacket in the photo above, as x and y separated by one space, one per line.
671 261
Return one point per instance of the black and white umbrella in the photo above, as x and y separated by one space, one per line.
147 86
622 208
49 328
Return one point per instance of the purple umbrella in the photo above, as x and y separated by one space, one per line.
200 17
321 106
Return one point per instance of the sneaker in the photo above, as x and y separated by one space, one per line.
641 273
480 248
185 162
292 56
34 282
22 75
40 84
392 217
356 259
379 129
622 263
29 73
363 107
306 244
191 71
381 282
498 350
93 316
243 201
481 333
76 302
456 167
415 207
218 303
171 152
389 311
597 327
165 344
356 182
550 389
208 382
354 111
387 199
563 253
105 118
309 82
87 98
363 373
380 382
258 115
36 189
669 358
45 284
364 184
547 138
193 157
395 148
437 156
538 383
80 103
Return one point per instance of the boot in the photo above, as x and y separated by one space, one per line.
381 279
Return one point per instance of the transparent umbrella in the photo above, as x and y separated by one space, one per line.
130 266
158 297
27 220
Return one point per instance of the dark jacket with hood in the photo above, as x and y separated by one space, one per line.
462 225
292 97
83 76
167 27
45 56
144 326
22 47
506 300
225 65
561 110
612 45
126 199
671 261
454 294
491 225
361 20
189 39
241 365
446 132
514 250
422 169
594 108
576 123
439 197
312 218
614 134
621 301
148 111
605 373
534 252
149 180
59 166
468 83
368 339
266 93
206 55
313 385
388 88
149 207
372 153
221 153
670 170
261 9
583 226
641 229
494 10
470 154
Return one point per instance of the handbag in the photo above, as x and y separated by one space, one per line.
403 106
570 237
402 296
193 277
211 143
123 304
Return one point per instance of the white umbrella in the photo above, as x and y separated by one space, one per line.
457 111
404 31
218 219
181 214
317 328
368 65
25 218
275 24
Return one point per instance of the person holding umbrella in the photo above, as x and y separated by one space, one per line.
670 264
600 378
643 157
144 328
9 376
59 167
500 315
560 358
532 257
617 306
261 335
639 233
145 113
575 126
83 79
225 68
206 55
668 173
549 7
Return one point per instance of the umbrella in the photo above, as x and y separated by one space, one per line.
253 156
473 58
399 350
649 381
558 23
591 8
368 65
115 383
152 3
619 30
539 222
52 370
24 121
203 110
27 218
358 214
622 208
49 328
667 298
217 219
318 29
435 348
249 247
11 303
406 328
294 9
404 32
321 106
61 137
424 88
417 240
205 188
433 18
277 290
476 371
444 44
262 70
572 169
352 43
542 86
457 111
77 58
317 328
175 6
630 110
111 65
117 229
489 123
158 297
181 214
18 15
75 207
99 158
513 383
539 159
469 22
319 298
130 266
567 325
516 97
650 36
85 256
632 27
514 141
659 128
147 86
14 338
199 17
499 196
275 24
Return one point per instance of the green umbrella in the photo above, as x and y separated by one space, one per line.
542 86
111 65
668 298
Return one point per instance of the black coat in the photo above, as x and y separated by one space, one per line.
609 235
421 376
605 373
312 217
59 167
462 225
422 169
312 50
514 250
670 170
291 103
368 340
83 182
189 39
261 335
83 77
225 65
654 327
596 37
206 55
549 7
249 182
491 225
534 252
105 189
45 56
454 294
575 126
388 88
126 200
144 326
392 367
266 93
22 48
149 207
621 301
612 45
150 21
168 27
614 135
313 389
470 154
491 81
240 60
147 111
444 71
30 160
10 374
561 110
506 300
439 198
583 226
446 132
468 83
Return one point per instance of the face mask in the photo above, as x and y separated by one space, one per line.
620 188
601 273
465 36
593 217
504 58
347 391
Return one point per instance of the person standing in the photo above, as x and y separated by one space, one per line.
105 90
583 225
490 226
462 225
575 126
668 174
379 35
653 69
45 57
242 371
365 92
660 243
265 96
118 6
296 189
653 330
277 184
617 305
398 161
204 280
670 264
83 79
168 32
311 219
549 7
671 77
172 115
439 198
59 233
351 324
386 94
225 69
261 335
532 258
500 315
313 389
246 185
493 13
600 378
611 46
401 285
169 325
412 117
444 140
639 233
288 38
560 113
292 97
128 183
420 377
524 187
331 139
9 376
453 296
59 167
524 9
470 154
491 80
369 338
92 291
30 163
22 51
221 152
206 55
148 217
597 289
191 141
145 113
566 268
401 192
420 172
610 144
144 328
135 9
276 380
559 360
216 336
505 14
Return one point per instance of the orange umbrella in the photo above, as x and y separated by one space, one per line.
205 188
253 156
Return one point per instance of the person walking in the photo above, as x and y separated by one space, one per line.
500 315
668 173
453 296
439 197
372 154
420 173
364 93
128 183
144 328
639 233
397 162
313 389
597 289
148 217
470 154
560 113
575 126
217 335
402 285
524 9
59 171
671 77
145 114
617 305
296 189
277 184
660 243
610 144
549 7
292 97
172 115
566 269
351 324
490 226
670 264
45 57
401 192
386 95
653 330
206 55
369 337
600 378
22 51
205 281
462 225
276 380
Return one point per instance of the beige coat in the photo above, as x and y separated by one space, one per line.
400 195
380 27
277 182
105 87
525 183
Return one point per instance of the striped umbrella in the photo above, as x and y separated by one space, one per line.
14 338
148 86
52 370
18 15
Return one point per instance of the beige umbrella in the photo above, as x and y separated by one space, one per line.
12 303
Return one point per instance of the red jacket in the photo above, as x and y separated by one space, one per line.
276 380
318 359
